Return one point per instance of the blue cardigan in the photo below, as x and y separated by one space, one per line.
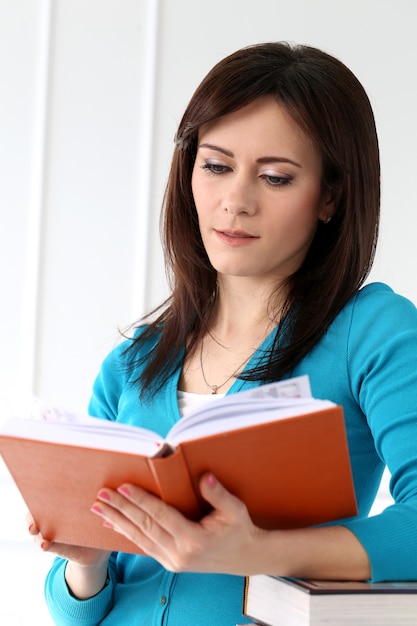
367 362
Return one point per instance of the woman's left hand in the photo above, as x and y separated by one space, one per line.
224 541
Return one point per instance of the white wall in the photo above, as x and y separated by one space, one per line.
91 93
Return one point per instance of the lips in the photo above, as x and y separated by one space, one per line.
236 233
235 237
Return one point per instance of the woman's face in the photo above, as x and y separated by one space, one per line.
257 189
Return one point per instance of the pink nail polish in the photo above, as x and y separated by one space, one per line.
103 495
124 491
211 480
96 509
107 524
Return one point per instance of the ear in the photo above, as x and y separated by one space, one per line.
327 206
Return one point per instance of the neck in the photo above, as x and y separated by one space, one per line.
243 310
239 324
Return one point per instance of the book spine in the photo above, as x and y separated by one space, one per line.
174 483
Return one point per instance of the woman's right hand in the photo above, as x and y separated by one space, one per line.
86 571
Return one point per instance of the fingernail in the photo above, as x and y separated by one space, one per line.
124 491
107 524
103 495
96 509
211 480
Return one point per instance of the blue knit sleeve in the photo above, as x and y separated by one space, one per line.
65 609
382 364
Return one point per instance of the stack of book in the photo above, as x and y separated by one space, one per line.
276 601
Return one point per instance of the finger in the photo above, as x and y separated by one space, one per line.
125 515
220 498
38 539
145 519
143 508
30 523
43 543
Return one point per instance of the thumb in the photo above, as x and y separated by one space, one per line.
217 495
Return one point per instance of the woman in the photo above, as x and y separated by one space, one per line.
270 225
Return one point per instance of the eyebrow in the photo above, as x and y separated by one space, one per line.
265 159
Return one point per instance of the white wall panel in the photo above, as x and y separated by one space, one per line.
93 180
23 35
75 126
24 40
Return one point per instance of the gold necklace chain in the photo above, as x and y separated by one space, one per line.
215 388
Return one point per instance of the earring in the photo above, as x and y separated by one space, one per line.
327 220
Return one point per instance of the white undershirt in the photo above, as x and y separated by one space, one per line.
189 402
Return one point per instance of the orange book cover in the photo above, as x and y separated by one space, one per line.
292 471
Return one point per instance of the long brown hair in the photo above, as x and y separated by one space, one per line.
328 102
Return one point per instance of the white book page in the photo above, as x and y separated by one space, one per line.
265 403
248 413
86 432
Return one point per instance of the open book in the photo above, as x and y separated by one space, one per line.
281 451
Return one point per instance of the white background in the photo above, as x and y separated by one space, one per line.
91 93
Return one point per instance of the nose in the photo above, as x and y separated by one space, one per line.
240 196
